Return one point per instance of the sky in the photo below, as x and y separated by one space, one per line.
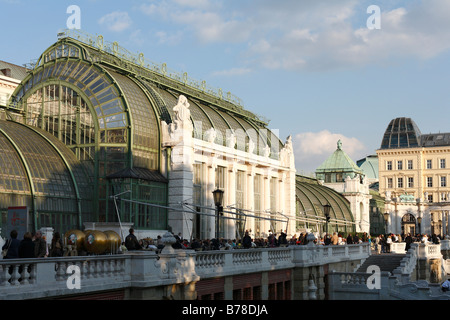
320 71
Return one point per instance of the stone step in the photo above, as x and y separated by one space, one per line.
385 262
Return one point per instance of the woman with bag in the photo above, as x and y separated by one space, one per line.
11 247
57 246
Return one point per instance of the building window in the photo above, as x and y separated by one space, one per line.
429 164
197 196
442 163
399 182
240 176
443 181
220 177
410 164
389 165
430 198
444 196
410 182
430 182
399 165
390 184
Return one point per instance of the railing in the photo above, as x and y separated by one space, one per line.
359 286
306 256
50 277
32 278
390 286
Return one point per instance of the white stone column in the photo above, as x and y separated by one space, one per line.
229 224
281 203
211 221
250 199
178 136
448 225
444 223
266 225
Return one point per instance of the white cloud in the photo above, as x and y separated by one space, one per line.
312 35
311 149
116 21
169 38
193 3
232 72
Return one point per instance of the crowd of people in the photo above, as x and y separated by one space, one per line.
35 245
32 246
246 242
382 243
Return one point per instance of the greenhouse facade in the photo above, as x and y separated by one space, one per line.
96 134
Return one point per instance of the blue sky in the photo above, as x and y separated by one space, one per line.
312 67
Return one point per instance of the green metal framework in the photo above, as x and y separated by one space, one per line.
106 104
42 174
103 116
310 199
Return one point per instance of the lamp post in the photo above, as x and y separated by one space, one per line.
218 201
326 211
419 222
386 219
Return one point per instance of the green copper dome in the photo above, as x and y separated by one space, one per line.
338 166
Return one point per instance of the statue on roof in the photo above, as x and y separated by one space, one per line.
339 144
287 153
231 138
181 110
182 124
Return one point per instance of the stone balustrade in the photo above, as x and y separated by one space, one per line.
306 256
52 277
395 286
355 287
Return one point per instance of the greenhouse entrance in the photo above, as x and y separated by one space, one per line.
408 224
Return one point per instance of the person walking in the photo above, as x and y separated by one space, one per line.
349 239
335 239
378 244
131 241
12 246
40 245
408 241
57 247
388 244
247 241
26 246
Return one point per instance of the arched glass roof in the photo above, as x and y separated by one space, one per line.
44 173
311 197
208 110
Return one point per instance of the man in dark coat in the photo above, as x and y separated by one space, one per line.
40 245
12 245
349 239
247 241
408 241
26 247
131 242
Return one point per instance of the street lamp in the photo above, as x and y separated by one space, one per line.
218 201
419 222
326 211
386 219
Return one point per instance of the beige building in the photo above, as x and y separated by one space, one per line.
414 173
10 77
